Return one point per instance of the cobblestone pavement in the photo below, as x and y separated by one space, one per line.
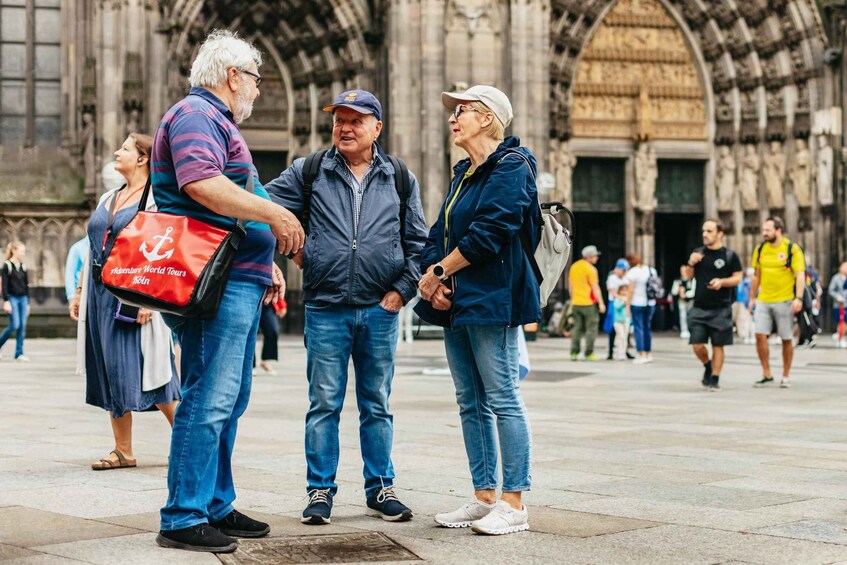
632 464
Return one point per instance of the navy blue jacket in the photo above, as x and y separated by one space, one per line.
498 288
334 269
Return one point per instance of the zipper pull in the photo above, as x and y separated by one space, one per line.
354 245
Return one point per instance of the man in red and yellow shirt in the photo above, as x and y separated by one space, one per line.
587 301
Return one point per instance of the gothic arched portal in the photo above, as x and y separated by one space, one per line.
312 49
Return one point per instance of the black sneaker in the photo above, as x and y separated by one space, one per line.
201 537
714 386
319 509
385 505
764 381
706 381
238 525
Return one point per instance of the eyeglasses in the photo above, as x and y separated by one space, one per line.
462 108
254 75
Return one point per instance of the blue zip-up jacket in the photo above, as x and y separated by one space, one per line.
498 288
334 269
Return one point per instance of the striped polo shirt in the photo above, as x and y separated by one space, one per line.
198 139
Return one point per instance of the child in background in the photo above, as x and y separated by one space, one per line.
622 322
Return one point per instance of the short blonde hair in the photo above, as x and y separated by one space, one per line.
496 128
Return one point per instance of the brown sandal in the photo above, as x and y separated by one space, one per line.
121 463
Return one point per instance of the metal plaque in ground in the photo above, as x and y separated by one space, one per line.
330 548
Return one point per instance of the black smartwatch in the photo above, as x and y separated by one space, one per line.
438 271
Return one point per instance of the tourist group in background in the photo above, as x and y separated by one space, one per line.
779 295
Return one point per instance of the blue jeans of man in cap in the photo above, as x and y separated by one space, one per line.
217 368
334 334
484 363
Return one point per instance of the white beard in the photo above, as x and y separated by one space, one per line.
243 106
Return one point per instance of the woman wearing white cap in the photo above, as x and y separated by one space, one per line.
479 285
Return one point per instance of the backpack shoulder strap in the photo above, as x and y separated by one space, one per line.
759 254
403 186
311 166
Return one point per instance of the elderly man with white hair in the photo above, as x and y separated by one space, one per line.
202 169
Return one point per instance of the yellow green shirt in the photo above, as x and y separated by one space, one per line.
582 276
776 282
450 207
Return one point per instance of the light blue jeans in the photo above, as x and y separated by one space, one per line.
17 323
484 363
216 370
334 334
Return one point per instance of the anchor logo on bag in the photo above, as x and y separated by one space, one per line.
155 253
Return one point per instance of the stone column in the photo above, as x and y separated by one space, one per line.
433 175
529 61
109 79
404 99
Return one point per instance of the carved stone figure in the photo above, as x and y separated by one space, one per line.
823 173
132 123
565 163
774 172
801 174
750 166
646 171
86 142
644 128
725 179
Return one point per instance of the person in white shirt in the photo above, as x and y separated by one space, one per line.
641 307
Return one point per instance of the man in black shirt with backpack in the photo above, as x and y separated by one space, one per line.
717 271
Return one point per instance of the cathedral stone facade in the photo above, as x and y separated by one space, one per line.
646 115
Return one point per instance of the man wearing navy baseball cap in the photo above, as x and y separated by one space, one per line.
361 264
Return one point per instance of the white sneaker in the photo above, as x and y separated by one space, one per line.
503 519
842 344
684 335
463 517
640 360
22 359
649 359
785 383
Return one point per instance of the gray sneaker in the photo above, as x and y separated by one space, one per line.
464 516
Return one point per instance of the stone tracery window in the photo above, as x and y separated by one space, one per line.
30 72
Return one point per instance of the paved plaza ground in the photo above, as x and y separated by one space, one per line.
632 464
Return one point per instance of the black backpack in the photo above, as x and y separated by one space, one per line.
401 184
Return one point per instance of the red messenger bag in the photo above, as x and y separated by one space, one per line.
168 262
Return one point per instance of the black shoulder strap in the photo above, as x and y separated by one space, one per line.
790 254
310 170
759 255
404 188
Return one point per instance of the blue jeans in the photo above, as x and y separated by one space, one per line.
17 323
642 317
216 370
334 334
484 363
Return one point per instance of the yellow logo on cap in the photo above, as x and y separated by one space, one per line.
351 97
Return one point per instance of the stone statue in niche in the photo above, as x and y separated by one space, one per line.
132 122
646 171
89 157
725 179
644 128
823 172
565 163
774 172
750 166
801 174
